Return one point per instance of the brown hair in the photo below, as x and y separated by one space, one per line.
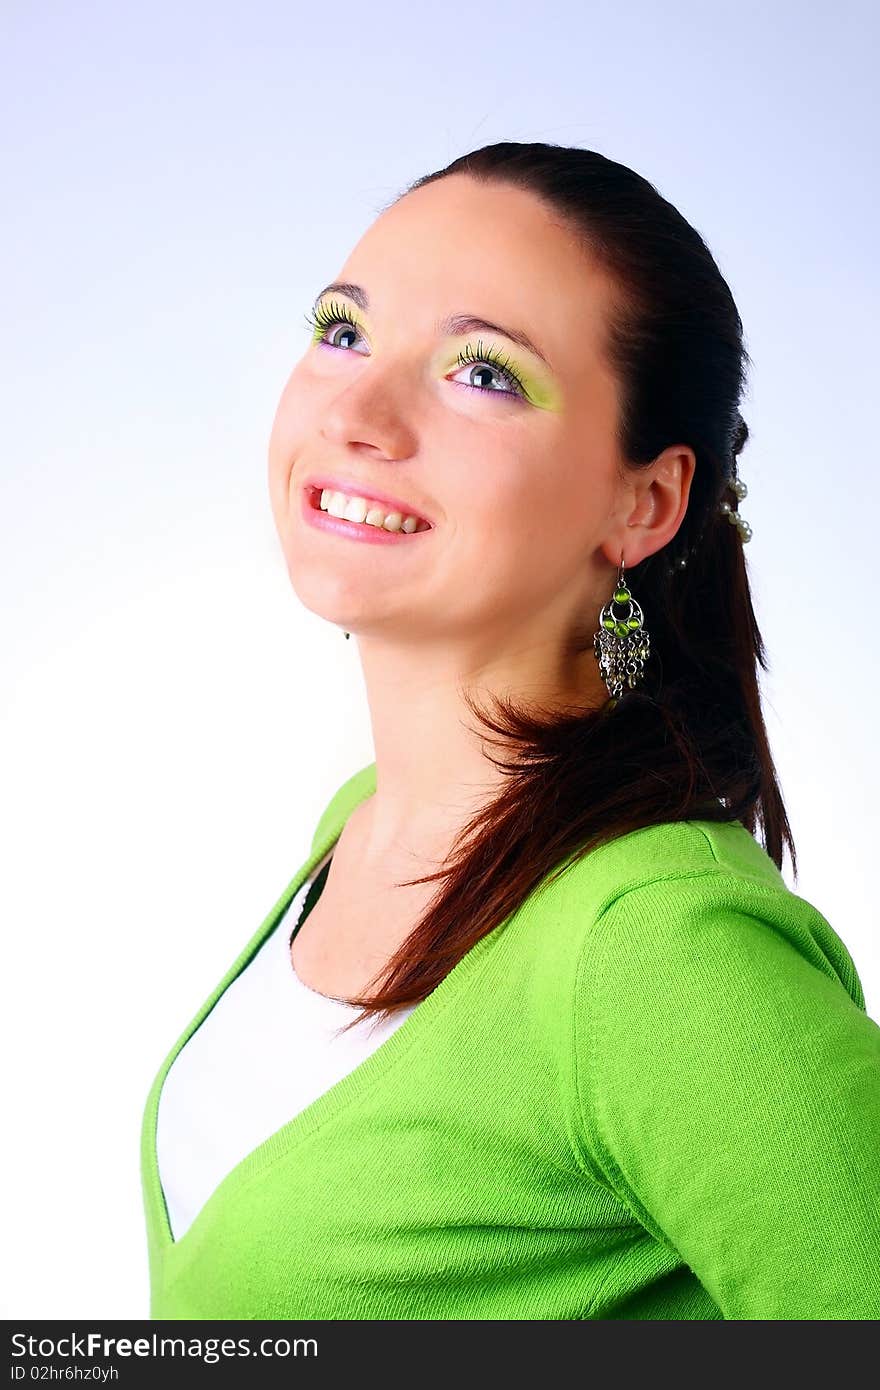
690 741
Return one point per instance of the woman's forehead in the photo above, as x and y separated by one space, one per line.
488 251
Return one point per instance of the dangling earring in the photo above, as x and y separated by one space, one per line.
347 635
622 645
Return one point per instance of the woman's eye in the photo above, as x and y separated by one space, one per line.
485 361
331 336
487 371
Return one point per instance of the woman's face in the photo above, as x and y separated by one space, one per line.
520 484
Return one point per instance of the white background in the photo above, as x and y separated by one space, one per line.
179 180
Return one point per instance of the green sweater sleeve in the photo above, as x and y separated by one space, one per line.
728 1088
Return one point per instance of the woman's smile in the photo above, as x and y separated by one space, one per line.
396 529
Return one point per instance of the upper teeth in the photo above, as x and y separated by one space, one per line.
363 509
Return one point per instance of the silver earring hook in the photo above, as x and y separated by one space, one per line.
621 645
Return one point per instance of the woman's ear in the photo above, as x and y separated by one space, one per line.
654 502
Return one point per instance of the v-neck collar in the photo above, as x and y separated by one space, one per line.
344 1090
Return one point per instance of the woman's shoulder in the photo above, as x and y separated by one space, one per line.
659 859
698 891
674 887
668 850
724 1070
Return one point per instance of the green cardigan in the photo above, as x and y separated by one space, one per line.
653 1092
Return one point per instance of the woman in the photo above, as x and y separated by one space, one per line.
612 1067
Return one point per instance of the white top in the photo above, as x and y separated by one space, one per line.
265 1051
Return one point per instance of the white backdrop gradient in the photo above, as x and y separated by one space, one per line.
178 182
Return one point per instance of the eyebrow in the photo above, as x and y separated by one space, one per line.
452 325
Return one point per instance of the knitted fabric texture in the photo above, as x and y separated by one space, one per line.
653 1092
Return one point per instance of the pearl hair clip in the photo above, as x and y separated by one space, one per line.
739 489
737 486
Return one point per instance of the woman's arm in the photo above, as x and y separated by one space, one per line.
728 1087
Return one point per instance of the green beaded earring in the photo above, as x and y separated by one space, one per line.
622 644
348 634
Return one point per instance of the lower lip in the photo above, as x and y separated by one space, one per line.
356 531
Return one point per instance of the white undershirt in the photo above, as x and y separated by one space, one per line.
265 1051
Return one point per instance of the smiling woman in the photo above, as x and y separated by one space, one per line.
559 991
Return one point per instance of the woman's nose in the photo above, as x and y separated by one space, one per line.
372 410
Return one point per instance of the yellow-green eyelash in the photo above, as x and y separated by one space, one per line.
327 315
491 358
